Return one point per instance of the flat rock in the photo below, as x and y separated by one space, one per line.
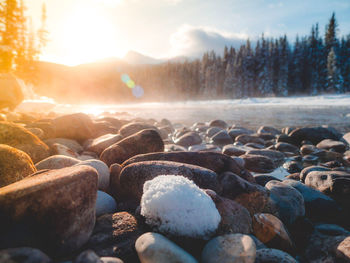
332 145
15 165
314 135
56 162
31 214
99 144
236 150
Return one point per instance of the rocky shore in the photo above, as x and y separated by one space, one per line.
88 190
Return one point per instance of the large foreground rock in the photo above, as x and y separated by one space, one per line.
14 165
52 210
133 176
216 162
314 135
145 141
20 138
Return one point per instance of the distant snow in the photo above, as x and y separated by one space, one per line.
175 205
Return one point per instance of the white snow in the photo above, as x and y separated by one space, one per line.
175 205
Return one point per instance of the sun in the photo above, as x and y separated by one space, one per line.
89 36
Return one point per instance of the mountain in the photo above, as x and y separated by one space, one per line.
136 58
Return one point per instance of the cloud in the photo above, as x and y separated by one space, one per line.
194 41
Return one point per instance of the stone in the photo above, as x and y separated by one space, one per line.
235 218
218 123
272 232
103 173
216 162
105 204
309 169
23 255
246 138
58 149
268 129
103 127
45 126
276 156
235 150
56 162
235 132
87 256
230 248
204 148
133 176
111 260
71 144
153 247
271 255
252 196
308 149
342 251
145 141
37 132
77 126
174 148
212 131
346 138
316 203
332 145
263 179
18 137
52 210
258 163
10 90
314 135
189 139
15 165
285 202
135 127
221 138
114 235
293 167
286 147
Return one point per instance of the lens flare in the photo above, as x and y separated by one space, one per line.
125 78
130 84
138 91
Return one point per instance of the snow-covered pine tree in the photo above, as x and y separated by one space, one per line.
335 79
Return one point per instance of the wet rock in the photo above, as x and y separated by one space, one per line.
15 165
98 145
135 127
230 248
258 163
218 123
133 176
71 144
145 141
271 255
276 156
20 138
213 130
271 231
328 156
332 145
245 138
252 196
262 179
285 202
234 217
221 138
114 235
153 247
77 126
31 214
310 160
105 204
293 167
56 162
235 150
314 135
216 162
268 129
286 147
189 139
23 255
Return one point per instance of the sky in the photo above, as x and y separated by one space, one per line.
82 31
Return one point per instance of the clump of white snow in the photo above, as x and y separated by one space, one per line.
175 205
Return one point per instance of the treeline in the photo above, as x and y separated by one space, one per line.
20 44
271 67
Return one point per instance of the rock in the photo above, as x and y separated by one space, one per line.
189 139
10 90
285 202
276 156
103 127
252 196
20 138
258 163
245 138
31 214
346 138
235 132
310 160
204 148
293 167
268 129
114 182
316 203
271 231
235 150
263 179
37 132
98 145
56 162
213 130
46 127
145 141
153 247
23 255
111 260
286 147
342 252
216 162
230 248
114 235
271 255
105 204
77 126
102 170
87 256
309 169
58 149
71 144
133 176
332 145
308 149
234 217
218 123
15 165
221 138
135 127
174 148
314 135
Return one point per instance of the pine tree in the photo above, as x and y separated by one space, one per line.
335 79
282 84
331 40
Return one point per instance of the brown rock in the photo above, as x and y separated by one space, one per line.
52 210
56 162
98 145
145 141
188 139
71 144
135 127
245 138
258 163
332 145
